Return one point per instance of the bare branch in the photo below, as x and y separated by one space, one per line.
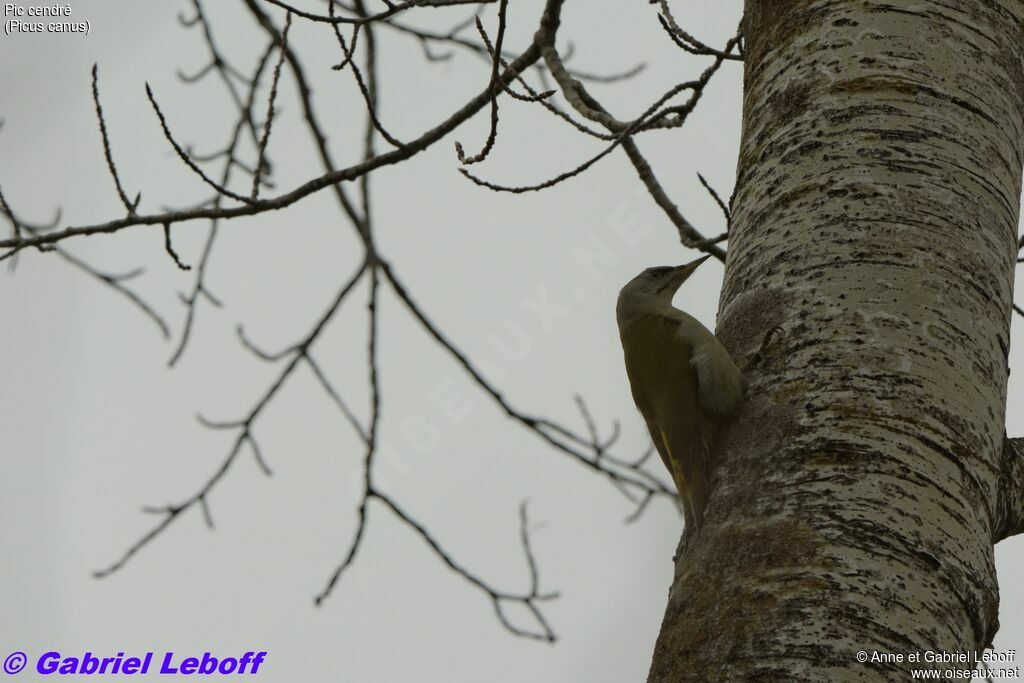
5 208
257 455
426 37
534 424
591 449
686 41
260 353
228 74
494 86
688 234
287 199
169 248
244 122
576 94
183 155
718 200
269 121
129 206
392 10
368 98
336 397
114 281
371 439
244 428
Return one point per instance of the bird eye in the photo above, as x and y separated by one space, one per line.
657 272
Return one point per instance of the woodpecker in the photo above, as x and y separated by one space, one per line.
684 382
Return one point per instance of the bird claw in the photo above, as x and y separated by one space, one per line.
757 360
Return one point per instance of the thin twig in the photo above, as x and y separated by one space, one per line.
183 155
244 427
269 121
686 41
688 234
495 87
532 423
169 248
130 206
393 9
718 200
251 208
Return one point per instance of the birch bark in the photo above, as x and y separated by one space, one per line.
856 500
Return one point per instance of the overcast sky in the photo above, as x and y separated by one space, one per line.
95 426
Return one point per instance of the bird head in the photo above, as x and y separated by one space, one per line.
658 284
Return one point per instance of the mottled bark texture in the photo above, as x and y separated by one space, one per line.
1010 513
857 498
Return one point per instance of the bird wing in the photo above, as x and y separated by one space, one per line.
661 379
720 384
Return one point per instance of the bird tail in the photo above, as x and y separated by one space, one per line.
707 433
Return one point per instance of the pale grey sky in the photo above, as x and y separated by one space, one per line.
95 425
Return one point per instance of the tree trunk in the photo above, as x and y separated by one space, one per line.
856 500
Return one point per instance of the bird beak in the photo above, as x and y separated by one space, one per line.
682 273
692 265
